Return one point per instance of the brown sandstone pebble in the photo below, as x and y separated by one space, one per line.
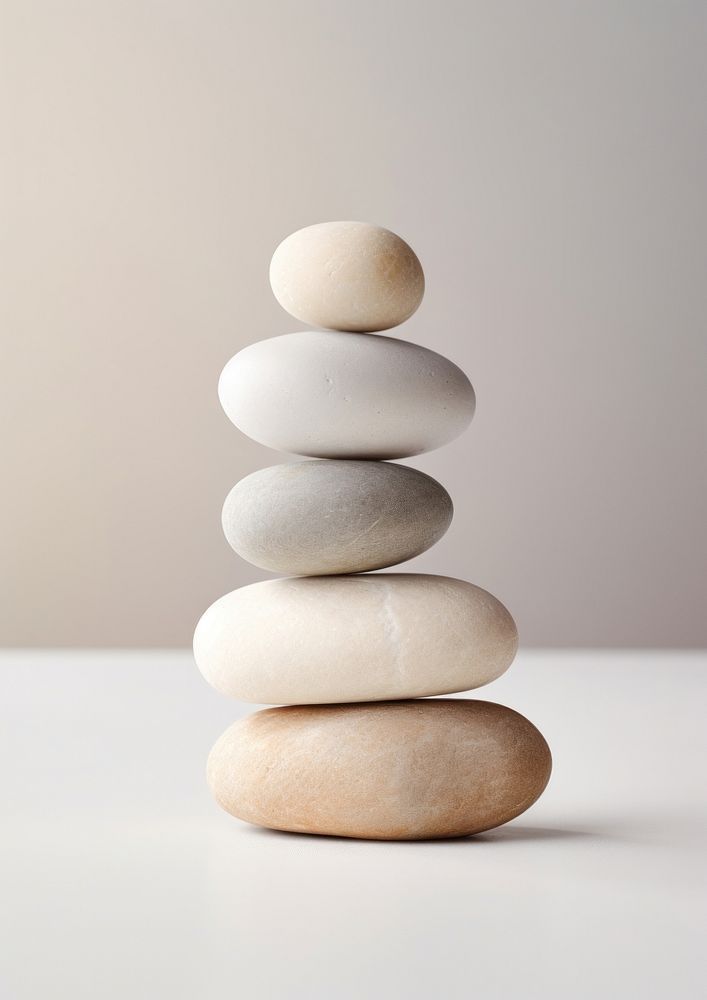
405 770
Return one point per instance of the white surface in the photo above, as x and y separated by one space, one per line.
121 878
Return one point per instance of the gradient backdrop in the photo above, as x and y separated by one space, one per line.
547 162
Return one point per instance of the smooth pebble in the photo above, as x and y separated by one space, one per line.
404 770
346 395
372 637
347 276
322 517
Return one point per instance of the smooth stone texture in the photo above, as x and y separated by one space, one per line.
404 770
322 517
345 395
314 640
347 276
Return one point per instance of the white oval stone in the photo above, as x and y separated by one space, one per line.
347 276
400 770
313 640
329 516
345 395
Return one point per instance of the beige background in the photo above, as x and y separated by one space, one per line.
547 162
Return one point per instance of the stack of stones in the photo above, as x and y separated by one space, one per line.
348 653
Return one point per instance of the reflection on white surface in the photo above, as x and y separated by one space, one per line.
122 878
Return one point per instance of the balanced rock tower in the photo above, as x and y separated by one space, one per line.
349 654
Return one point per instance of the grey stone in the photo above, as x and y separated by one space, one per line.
324 517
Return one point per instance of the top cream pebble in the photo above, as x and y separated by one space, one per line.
347 276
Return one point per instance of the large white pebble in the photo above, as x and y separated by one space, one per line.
345 395
314 640
347 276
